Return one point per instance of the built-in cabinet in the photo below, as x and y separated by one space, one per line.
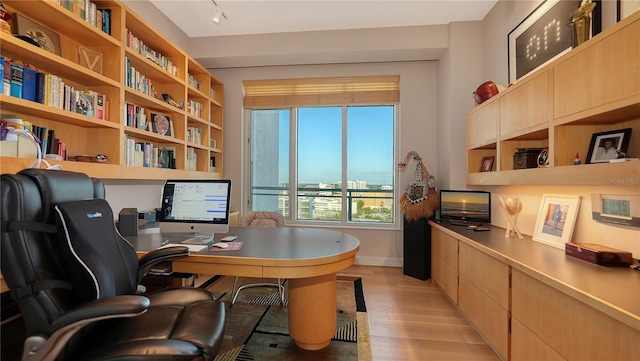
530 302
592 88
134 67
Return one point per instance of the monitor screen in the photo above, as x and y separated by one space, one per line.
199 207
465 206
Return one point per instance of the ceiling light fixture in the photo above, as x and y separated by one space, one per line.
219 14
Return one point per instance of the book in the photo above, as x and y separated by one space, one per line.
2 73
16 78
51 134
41 87
29 84
99 105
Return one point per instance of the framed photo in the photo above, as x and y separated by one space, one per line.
544 35
608 145
543 158
487 164
556 219
46 38
161 124
626 8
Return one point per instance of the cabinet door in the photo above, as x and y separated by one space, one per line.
525 108
482 124
603 75
570 327
444 272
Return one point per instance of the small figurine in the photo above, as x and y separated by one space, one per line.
576 160
167 98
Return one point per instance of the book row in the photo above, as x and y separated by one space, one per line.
26 83
89 12
145 154
194 135
141 48
135 80
195 108
194 83
44 137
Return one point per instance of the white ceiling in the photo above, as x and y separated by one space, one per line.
194 17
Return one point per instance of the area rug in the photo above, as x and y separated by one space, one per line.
257 324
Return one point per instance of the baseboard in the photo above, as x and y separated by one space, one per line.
378 261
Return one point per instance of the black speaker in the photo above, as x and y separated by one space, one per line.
128 222
417 249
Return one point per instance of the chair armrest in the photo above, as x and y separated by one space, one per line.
112 307
149 260
72 321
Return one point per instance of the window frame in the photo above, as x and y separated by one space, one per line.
293 174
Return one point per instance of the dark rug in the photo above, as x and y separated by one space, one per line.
257 324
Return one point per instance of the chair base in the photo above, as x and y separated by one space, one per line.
235 292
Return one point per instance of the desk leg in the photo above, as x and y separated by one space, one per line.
312 311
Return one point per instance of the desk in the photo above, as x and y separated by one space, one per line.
308 258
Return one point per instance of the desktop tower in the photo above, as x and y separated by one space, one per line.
417 249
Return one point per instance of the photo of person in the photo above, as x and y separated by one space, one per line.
607 146
607 149
555 220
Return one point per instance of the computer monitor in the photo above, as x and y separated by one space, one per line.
199 208
465 207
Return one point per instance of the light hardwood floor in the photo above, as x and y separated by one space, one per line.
410 319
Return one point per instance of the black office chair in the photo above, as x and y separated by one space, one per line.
75 278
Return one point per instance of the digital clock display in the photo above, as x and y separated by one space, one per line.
547 37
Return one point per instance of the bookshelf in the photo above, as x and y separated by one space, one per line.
133 67
591 89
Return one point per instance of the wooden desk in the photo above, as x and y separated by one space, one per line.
308 258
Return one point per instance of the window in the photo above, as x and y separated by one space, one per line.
324 163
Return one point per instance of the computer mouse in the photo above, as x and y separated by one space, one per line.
220 245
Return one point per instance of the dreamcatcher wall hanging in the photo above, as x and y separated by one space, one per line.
420 199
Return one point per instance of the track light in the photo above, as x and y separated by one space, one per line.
219 13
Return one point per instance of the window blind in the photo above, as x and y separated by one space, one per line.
287 93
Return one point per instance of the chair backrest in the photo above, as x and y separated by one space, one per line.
262 219
46 267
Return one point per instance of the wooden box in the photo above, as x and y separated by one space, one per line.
598 254
526 158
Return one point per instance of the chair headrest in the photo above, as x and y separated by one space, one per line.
59 186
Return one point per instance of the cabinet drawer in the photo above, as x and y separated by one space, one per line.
487 273
572 328
526 346
445 247
491 319
446 277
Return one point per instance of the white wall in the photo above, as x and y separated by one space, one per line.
418 124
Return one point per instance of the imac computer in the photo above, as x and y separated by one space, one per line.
197 208
465 207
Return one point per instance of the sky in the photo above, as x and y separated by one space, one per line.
369 148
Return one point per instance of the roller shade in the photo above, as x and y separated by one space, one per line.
287 93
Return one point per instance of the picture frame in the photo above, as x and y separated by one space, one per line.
161 124
526 42
625 8
556 219
606 146
46 38
487 164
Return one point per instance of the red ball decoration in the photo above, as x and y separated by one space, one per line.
485 91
